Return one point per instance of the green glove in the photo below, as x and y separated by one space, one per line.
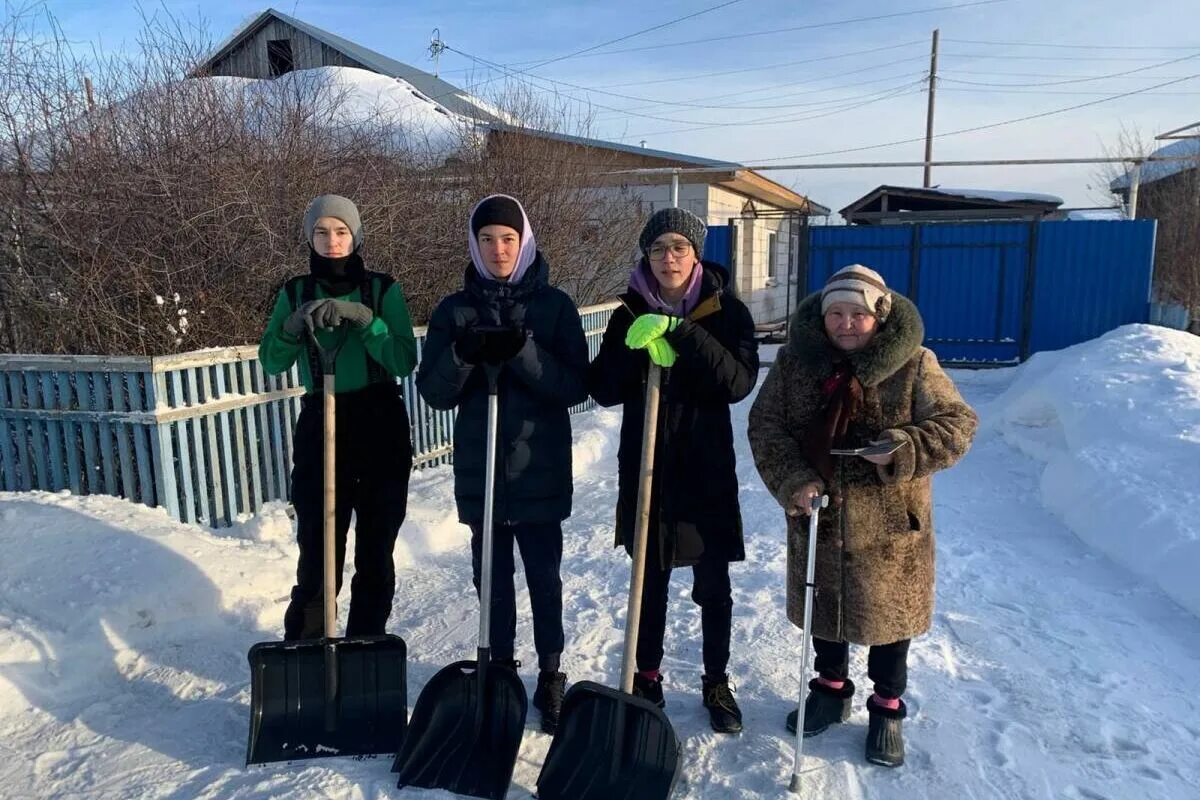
662 353
647 328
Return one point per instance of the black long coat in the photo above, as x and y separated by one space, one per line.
536 389
694 499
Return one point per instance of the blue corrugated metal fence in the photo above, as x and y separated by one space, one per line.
206 435
994 293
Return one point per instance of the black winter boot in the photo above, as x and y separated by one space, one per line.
723 711
507 663
823 707
649 689
548 697
885 742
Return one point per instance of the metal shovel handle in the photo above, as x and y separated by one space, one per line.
809 586
489 502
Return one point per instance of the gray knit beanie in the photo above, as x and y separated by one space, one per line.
860 286
333 205
674 220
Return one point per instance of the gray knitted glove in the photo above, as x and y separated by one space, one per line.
335 312
306 316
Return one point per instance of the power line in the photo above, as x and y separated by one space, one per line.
702 124
1081 80
1014 57
700 75
915 87
1043 74
991 125
1052 91
1075 46
813 103
622 38
813 26
656 102
807 92
636 34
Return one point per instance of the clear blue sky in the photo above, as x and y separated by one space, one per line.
850 101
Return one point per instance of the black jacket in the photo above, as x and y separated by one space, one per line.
695 494
536 389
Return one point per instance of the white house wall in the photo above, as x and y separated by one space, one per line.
768 299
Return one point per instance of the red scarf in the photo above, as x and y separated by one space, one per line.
843 395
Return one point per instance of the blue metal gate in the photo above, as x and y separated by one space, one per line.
994 293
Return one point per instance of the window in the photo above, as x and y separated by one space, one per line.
772 257
279 56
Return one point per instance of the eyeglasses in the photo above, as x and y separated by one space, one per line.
678 249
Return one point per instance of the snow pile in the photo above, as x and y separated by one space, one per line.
358 98
1117 422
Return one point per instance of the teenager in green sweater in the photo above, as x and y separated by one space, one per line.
340 301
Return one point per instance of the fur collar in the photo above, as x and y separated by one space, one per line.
894 344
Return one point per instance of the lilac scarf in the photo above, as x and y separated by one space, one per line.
644 283
525 257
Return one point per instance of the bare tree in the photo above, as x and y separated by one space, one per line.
1169 192
146 213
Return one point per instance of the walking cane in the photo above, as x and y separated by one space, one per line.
813 520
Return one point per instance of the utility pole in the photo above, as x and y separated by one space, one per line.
436 48
933 54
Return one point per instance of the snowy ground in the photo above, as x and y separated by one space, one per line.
1057 667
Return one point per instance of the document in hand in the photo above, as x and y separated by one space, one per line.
872 449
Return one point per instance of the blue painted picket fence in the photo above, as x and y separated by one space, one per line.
207 435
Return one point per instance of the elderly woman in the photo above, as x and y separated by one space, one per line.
853 373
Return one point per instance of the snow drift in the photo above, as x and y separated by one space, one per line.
1117 422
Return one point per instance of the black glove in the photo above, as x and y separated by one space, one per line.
306 316
335 312
501 344
468 346
487 344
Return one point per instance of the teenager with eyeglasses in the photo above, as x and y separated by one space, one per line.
679 314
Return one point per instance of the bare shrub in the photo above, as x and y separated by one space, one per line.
145 213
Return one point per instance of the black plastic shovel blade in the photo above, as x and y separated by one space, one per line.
609 746
289 716
460 741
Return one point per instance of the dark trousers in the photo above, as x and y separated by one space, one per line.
373 461
541 552
887 664
710 591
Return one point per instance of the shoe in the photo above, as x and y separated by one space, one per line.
649 689
507 663
823 707
723 711
548 697
885 741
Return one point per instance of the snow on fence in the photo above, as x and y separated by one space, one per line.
207 435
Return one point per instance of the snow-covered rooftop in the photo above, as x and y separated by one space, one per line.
998 195
1157 170
361 97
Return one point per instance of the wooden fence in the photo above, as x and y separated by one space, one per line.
207 435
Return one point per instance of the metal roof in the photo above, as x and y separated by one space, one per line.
436 89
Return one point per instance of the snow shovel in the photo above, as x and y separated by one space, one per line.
468 721
329 696
809 584
611 745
